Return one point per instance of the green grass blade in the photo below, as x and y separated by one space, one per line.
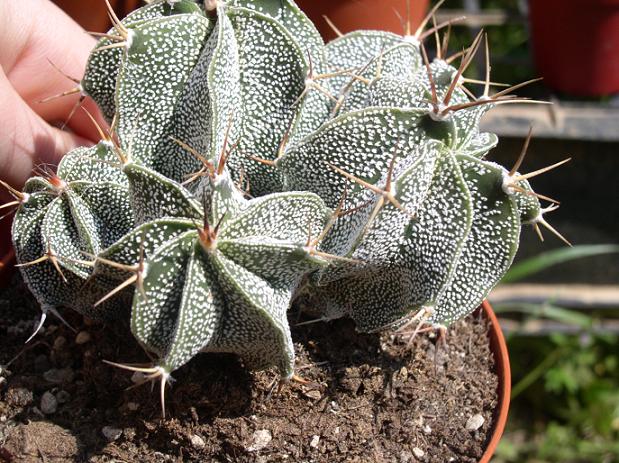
548 259
549 311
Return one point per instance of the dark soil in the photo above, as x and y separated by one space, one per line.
371 398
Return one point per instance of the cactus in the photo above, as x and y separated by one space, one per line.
248 162
82 209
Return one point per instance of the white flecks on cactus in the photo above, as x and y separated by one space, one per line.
153 76
399 62
225 287
66 219
313 109
154 195
357 49
100 76
489 247
272 76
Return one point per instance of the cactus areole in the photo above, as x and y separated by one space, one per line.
248 162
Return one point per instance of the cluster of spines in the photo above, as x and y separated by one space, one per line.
247 160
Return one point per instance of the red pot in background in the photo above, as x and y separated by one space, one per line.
576 45
350 15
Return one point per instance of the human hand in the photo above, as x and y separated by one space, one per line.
33 34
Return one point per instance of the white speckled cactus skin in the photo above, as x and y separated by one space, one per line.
248 161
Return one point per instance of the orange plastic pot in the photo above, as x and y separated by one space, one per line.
350 15
501 359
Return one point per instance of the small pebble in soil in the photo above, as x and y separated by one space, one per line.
111 433
260 439
63 397
197 442
18 397
418 452
59 342
59 375
49 403
474 422
314 394
82 337
315 441
137 377
132 406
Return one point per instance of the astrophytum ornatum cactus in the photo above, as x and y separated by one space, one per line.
432 227
65 216
248 162
218 279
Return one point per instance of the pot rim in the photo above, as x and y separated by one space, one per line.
501 358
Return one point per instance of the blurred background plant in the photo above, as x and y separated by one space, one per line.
565 370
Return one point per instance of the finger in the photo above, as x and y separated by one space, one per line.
50 36
28 140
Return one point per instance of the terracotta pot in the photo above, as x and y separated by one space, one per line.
350 15
576 44
501 358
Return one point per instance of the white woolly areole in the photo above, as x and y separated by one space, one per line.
129 40
438 114
507 184
413 40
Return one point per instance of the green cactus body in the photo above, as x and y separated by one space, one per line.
269 90
314 108
528 205
357 49
100 76
224 287
490 246
151 85
68 217
255 163
400 62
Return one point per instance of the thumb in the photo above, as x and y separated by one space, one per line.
28 140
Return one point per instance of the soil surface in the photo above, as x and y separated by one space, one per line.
370 398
